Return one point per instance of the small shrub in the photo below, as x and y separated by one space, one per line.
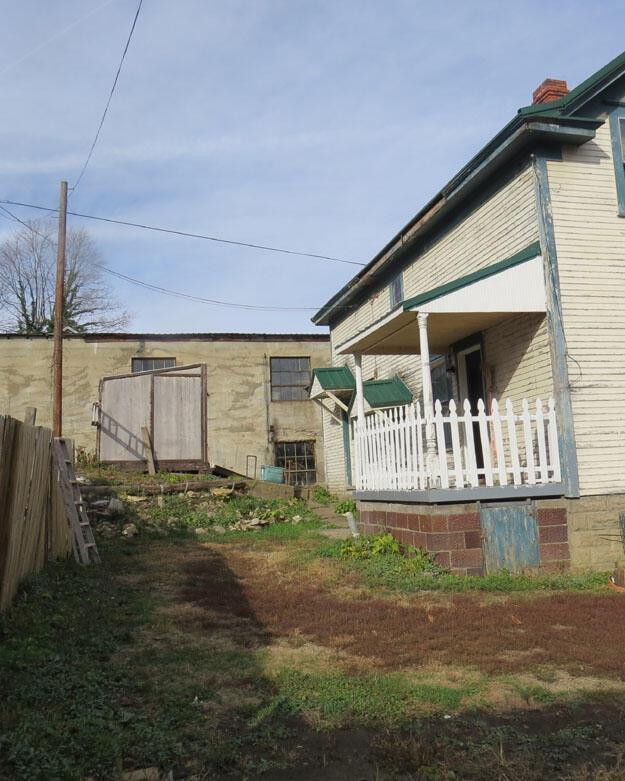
321 495
347 506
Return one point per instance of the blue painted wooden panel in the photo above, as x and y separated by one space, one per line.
510 535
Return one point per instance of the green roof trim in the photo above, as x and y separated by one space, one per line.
335 378
457 284
386 393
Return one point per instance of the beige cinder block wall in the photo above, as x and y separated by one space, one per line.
240 410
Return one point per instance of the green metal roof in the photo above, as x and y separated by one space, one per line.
457 284
386 393
335 378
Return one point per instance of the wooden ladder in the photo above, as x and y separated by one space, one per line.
83 541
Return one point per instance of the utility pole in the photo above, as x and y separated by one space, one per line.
59 295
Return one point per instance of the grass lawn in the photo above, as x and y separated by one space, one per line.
266 655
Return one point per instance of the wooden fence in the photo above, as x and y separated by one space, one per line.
34 525
401 449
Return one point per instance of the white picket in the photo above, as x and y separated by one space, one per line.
512 440
470 445
441 450
554 449
502 471
422 482
485 441
542 450
529 443
455 445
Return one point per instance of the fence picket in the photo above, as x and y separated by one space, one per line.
441 450
484 439
540 433
554 449
502 471
514 448
455 445
529 444
421 464
470 445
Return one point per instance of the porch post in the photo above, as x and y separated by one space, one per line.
428 403
360 416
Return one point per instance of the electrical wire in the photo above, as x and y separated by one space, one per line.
185 233
108 102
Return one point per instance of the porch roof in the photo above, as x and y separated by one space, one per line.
458 309
340 381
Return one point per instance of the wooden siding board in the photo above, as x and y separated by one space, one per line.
591 257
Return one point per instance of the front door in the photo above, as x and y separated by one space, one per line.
471 387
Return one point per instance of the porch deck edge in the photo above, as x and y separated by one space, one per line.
448 495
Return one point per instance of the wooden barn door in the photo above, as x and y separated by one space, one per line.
510 537
170 403
177 417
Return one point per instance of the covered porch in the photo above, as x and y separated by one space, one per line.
471 446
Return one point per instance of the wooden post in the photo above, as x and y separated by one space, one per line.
30 416
149 450
428 403
59 295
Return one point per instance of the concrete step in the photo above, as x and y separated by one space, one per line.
336 534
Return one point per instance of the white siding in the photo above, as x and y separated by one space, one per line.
590 241
501 226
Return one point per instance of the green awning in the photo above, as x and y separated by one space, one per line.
386 393
335 378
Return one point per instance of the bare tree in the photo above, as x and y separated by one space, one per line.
27 276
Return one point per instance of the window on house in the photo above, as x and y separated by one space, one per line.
442 389
298 461
617 129
290 379
150 364
396 290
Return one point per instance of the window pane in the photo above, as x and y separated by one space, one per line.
150 364
298 461
290 378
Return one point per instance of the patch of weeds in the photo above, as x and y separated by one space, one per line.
383 562
347 506
533 693
336 699
68 708
321 495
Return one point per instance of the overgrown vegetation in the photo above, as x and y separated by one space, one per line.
383 562
98 473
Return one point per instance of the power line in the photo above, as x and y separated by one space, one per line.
177 293
108 102
213 301
185 233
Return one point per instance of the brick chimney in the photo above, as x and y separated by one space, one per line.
550 89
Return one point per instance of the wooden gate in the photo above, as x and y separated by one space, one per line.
510 535
169 403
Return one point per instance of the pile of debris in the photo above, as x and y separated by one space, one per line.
253 522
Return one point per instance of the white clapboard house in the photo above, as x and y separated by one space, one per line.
476 402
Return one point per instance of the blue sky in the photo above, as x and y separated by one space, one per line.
312 125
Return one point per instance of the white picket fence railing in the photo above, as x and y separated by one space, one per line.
399 449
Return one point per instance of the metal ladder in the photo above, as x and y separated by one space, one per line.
83 541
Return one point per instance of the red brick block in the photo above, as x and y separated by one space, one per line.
458 571
442 558
401 521
413 522
555 516
446 541
464 523
554 566
555 551
391 520
365 516
466 558
433 523
553 533
420 540
475 571
473 539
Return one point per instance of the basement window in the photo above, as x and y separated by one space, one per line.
151 364
290 379
396 290
298 461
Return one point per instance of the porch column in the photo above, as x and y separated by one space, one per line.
428 403
360 417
